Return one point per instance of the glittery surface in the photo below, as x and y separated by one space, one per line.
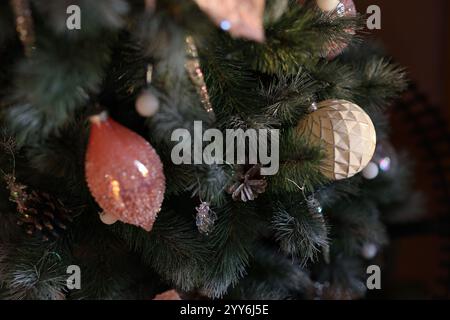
342 7
124 174
242 18
196 75
24 24
345 8
168 295
205 218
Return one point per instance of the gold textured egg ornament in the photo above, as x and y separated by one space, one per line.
346 133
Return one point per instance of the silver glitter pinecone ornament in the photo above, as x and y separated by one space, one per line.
205 218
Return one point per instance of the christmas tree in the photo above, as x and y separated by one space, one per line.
92 94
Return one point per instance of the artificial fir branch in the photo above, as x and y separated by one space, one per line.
356 225
232 242
298 38
273 276
267 85
300 233
39 107
29 271
231 84
174 249
336 81
385 78
289 97
299 161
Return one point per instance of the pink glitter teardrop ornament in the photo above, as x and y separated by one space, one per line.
345 8
168 295
337 9
124 173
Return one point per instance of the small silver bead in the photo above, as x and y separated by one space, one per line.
340 9
313 107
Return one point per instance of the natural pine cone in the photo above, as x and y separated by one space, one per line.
40 214
248 185
44 216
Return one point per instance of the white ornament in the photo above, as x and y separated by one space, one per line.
327 5
107 218
371 171
147 104
369 251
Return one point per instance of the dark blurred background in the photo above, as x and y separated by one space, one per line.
416 34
